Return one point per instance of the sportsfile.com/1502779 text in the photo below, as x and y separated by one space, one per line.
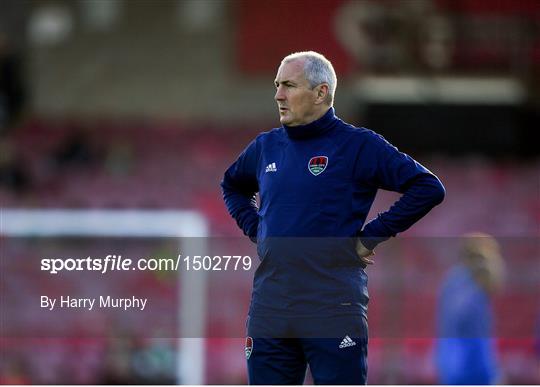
114 262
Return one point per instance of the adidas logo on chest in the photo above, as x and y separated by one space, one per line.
271 168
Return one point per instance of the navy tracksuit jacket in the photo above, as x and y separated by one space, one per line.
316 184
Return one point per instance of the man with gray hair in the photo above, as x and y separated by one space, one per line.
318 77
317 178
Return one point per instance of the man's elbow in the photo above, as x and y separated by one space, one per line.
227 186
438 192
223 186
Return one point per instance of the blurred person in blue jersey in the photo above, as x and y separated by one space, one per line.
317 178
466 352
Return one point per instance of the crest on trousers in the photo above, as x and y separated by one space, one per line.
249 347
317 165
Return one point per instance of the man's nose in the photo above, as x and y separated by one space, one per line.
279 96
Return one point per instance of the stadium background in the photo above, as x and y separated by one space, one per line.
139 104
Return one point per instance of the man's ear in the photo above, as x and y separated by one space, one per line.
322 93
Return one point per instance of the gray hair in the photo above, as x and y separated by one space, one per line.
317 70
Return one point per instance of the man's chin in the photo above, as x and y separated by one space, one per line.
285 120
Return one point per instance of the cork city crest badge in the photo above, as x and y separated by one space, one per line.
317 165
249 347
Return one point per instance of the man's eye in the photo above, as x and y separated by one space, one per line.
288 85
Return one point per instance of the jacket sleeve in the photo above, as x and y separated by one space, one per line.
239 187
396 171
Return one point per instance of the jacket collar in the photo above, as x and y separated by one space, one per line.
313 129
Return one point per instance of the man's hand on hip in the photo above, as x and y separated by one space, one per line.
364 253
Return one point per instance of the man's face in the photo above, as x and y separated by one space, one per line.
294 96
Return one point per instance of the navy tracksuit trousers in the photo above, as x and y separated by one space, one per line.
278 350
